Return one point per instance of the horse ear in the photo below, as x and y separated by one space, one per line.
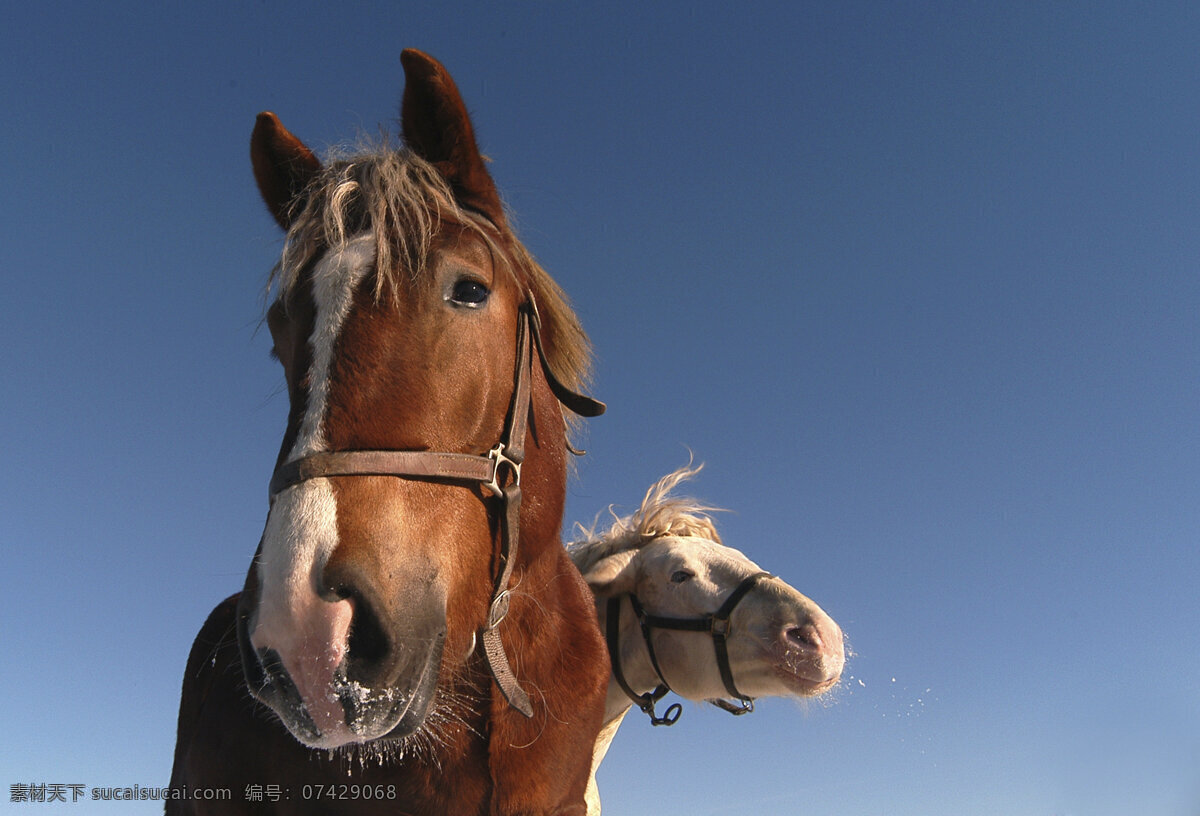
283 166
438 129
613 575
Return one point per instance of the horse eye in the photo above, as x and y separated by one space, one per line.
470 293
679 576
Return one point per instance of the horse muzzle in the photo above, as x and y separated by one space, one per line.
332 679
809 656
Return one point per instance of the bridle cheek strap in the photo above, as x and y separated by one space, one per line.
498 472
510 454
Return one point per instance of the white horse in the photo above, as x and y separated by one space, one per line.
684 613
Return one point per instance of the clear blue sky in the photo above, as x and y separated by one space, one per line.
918 282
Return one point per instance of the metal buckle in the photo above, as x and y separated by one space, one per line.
499 458
719 627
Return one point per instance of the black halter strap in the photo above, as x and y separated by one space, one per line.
716 624
498 471
647 701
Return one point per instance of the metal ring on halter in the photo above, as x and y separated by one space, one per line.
669 717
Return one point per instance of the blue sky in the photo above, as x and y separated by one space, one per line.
918 282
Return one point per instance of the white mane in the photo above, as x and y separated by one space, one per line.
660 514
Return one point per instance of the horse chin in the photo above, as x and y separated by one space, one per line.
386 714
389 714
802 675
806 687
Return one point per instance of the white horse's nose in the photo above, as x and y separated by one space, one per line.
820 642
805 637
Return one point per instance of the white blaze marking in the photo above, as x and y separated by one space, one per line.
334 280
301 531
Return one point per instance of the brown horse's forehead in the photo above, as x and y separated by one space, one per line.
474 247
464 241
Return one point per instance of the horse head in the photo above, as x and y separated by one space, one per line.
409 322
688 614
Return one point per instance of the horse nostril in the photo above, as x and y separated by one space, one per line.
805 637
367 644
368 647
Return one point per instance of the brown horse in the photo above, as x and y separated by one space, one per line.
411 637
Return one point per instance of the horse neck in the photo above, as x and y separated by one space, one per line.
599 750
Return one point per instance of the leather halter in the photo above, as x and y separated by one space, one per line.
716 624
498 471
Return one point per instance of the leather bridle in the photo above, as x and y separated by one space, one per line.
715 624
498 472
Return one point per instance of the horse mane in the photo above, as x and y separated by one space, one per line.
406 200
660 514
